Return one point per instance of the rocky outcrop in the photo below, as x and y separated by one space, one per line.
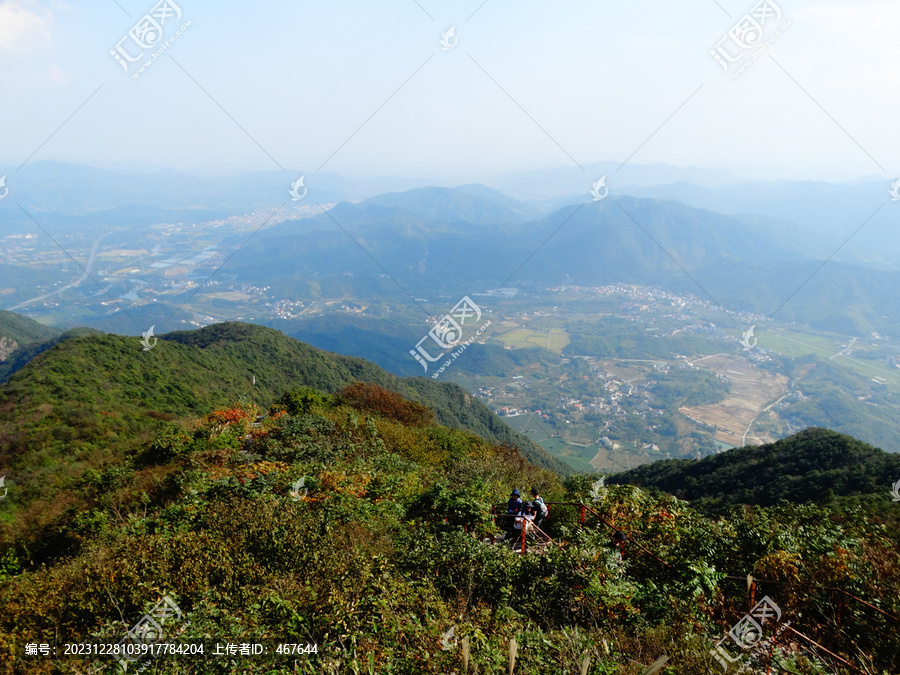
7 347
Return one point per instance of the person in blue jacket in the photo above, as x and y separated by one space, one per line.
513 509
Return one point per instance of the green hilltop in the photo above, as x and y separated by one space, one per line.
88 396
813 465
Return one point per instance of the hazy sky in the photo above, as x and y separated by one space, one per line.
526 85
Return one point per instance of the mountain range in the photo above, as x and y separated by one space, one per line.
394 246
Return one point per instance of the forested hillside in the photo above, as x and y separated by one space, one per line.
88 398
812 466
23 330
387 342
24 354
354 523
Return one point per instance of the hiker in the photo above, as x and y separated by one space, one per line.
514 504
541 510
530 515
513 508
522 524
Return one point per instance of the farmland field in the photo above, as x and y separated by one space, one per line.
795 344
576 456
751 392
554 339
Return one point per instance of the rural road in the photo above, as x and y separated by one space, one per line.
87 271
768 407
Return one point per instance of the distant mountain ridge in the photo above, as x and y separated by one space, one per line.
474 204
416 249
741 262
79 189
815 215
437 241
69 187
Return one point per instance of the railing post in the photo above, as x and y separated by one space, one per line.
582 515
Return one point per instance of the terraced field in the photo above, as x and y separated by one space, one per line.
751 393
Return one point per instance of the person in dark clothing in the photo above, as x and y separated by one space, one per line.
513 509
514 504
540 508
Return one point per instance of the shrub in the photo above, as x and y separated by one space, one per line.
371 398
303 400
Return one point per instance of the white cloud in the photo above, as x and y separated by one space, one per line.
24 28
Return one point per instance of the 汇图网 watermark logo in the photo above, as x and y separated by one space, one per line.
746 39
148 631
298 189
147 336
748 339
299 491
3 487
894 191
449 39
3 189
598 489
448 642
895 493
447 333
599 190
748 632
148 34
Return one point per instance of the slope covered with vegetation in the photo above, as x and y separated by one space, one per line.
282 362
813 465
17 331
86 399
386 342
356 523
343 513
23 330
24 354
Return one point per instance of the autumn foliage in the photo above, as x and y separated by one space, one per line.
371 398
